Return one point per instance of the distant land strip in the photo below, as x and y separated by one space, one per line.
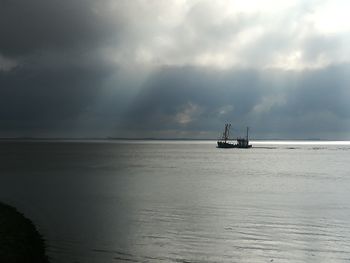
151 139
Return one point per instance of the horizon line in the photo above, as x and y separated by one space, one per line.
24 138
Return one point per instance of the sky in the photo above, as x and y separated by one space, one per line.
175 68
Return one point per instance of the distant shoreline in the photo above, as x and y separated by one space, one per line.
19 240
150 139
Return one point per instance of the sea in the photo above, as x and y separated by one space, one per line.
182 201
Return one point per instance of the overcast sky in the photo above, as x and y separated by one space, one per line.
173 69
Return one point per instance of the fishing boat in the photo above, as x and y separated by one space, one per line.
223 142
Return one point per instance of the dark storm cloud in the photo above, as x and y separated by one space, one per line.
172 90
76 65
322 90
276 102
56 74
37 25
45 96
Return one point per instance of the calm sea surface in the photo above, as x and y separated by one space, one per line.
166 201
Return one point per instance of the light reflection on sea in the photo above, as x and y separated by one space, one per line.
183 201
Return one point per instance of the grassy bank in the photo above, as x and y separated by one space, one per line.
19 239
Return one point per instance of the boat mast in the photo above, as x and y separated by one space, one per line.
247 133
227 132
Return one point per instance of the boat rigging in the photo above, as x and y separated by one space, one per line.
223 142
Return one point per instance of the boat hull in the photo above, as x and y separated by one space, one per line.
231 145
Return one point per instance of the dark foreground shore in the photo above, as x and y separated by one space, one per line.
19 239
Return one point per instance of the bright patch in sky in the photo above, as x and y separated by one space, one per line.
224 34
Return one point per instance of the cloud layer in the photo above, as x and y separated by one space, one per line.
292 104
174 69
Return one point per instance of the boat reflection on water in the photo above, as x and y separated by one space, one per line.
223 142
